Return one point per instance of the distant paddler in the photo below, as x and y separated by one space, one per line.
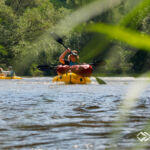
9 73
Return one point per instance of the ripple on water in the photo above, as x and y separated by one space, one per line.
34 113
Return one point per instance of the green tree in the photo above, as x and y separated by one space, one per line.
7 29
33 29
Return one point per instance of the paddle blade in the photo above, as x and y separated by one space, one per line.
100 81
57 38
44 67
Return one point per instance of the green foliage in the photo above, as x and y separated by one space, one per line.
32 20
103 45
134 38
33 71
78 3
7 30
20 6
35 21
25 40
3 52
135 17
128 36
59 3
146 25
119 60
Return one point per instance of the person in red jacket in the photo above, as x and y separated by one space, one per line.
73 57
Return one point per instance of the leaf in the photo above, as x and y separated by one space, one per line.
131 37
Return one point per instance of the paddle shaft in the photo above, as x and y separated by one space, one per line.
60 41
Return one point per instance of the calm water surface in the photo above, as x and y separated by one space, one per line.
37 114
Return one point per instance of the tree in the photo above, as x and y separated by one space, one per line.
7 29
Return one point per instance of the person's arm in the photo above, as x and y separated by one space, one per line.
62 56
1 70
5 73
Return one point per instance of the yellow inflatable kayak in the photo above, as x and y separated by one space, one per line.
71 78
14 77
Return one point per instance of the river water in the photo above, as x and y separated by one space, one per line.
36 114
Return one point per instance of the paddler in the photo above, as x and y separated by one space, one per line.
1 72
9 73
73 57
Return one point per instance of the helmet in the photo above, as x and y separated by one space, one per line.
74 52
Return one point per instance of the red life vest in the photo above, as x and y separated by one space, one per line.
83 70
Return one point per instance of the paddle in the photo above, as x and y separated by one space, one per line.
46 67
60 41
100 81
54 66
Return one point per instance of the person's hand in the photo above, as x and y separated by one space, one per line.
68 50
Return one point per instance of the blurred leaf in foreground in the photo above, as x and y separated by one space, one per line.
128 36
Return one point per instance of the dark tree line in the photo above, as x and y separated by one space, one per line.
25 43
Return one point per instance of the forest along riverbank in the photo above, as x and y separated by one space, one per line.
35 113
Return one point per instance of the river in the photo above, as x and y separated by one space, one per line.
36 114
